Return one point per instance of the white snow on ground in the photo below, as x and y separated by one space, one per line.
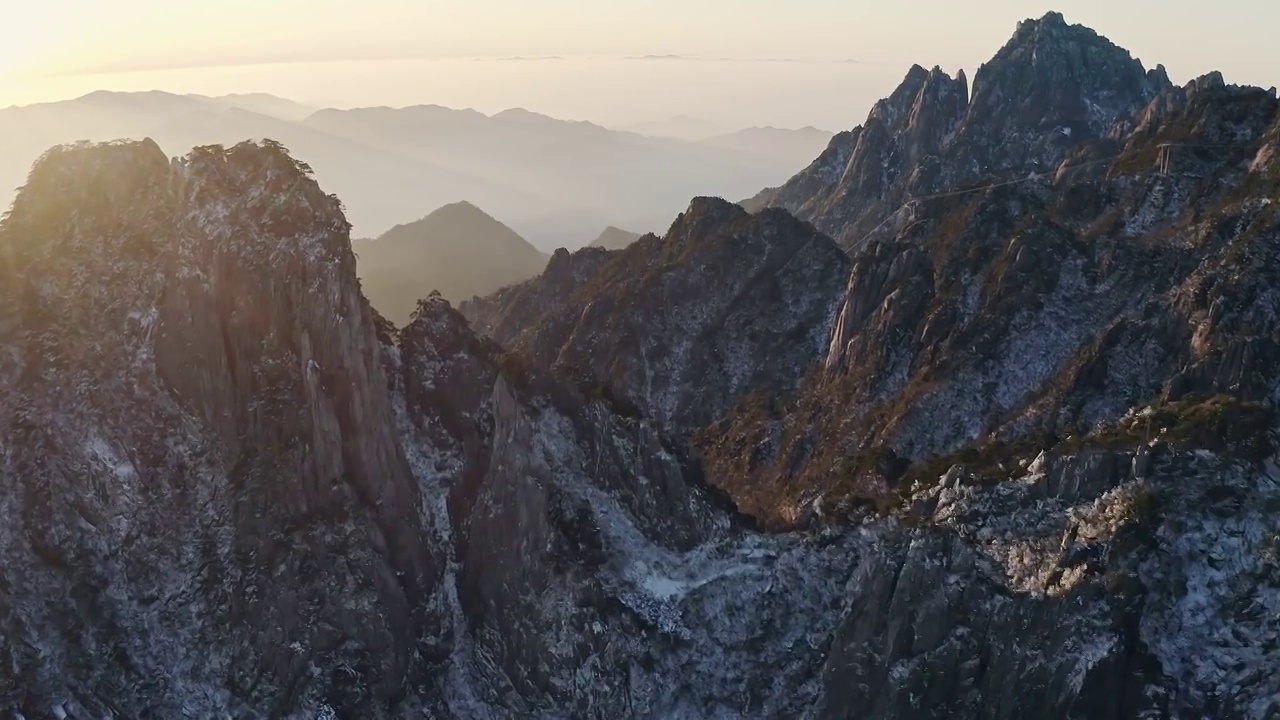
429 465
100 450
1220 633
735 607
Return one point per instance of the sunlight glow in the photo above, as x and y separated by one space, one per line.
321 52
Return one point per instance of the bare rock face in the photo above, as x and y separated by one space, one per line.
1027 396
593 571
211 510
725 304
505 315
1016 454
863 171
1036 310
1050 88
1058 591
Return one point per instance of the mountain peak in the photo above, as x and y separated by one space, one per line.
716 276
213 321
615 238
84 154
461 209
434 311
1050 39
704 216
1051 24
1051 87
1207 81
707 205
460 221
520 114
111 177
458 249
1051 18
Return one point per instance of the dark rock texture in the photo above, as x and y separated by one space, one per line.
509 313
593 573
208 508
1018 453
725 304
1052 87
1039 309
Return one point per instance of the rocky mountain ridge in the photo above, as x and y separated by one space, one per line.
1018 455
1028 310
1041 307
1050 89
1115 295
210 505
642 320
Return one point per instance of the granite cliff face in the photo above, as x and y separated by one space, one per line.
1012 456
593 574
1036 311
726 303
207 507
1052 87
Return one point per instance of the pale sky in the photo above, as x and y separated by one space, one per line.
744 62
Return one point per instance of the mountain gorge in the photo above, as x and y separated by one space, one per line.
973 417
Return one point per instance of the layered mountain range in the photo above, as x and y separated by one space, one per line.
554 181
974 417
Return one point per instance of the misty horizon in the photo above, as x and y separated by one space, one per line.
820 64
558 183
783 96
300 109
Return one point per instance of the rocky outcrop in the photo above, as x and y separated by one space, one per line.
681 326
864 172
507 314
1053 593
210 509
1052 87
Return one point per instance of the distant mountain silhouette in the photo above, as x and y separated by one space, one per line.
615 238
681 127
781 144
459 250
265 104
549 179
